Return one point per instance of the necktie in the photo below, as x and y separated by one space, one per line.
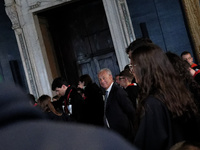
106 96
105 102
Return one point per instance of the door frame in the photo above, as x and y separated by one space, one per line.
31 45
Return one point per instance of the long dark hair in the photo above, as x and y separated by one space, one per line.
86 79
182 68
157 77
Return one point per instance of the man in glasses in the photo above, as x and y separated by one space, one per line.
188 57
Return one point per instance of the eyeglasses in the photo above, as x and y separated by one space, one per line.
188 58
120 78
131 66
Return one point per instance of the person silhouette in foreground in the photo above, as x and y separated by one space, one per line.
24 127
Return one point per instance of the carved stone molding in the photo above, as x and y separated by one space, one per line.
13 15
36 5
28 66
192 13
120 27
125 20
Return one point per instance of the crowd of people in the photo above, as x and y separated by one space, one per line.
153 104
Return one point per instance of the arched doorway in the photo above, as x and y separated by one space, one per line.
81 39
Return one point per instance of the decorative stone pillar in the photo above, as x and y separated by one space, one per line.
120 27
10 7
125 21
192 13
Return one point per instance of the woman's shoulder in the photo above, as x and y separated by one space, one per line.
152 99
153 103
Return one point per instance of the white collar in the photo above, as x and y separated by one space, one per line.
109 89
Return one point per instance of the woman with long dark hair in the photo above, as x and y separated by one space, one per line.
183 68
166 111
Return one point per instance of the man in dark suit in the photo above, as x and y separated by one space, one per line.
119 111
24 127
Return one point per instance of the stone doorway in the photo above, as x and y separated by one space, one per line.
39 49
78 40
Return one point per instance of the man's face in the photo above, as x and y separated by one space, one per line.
81 84
105 79
60 91
132 69
122 81
188 58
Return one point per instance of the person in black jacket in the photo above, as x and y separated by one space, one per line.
126 79
93 101
118 110
69 98
166 112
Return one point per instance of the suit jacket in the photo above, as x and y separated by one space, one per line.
120 112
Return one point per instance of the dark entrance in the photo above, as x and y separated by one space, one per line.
81 39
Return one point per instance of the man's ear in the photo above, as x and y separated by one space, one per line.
64 86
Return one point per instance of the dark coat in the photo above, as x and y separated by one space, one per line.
93 105
132 91
158 131
197 78
120 112
75 99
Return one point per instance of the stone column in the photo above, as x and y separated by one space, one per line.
10 7
192 13
120 27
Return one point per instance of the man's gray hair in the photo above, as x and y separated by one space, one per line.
107 70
